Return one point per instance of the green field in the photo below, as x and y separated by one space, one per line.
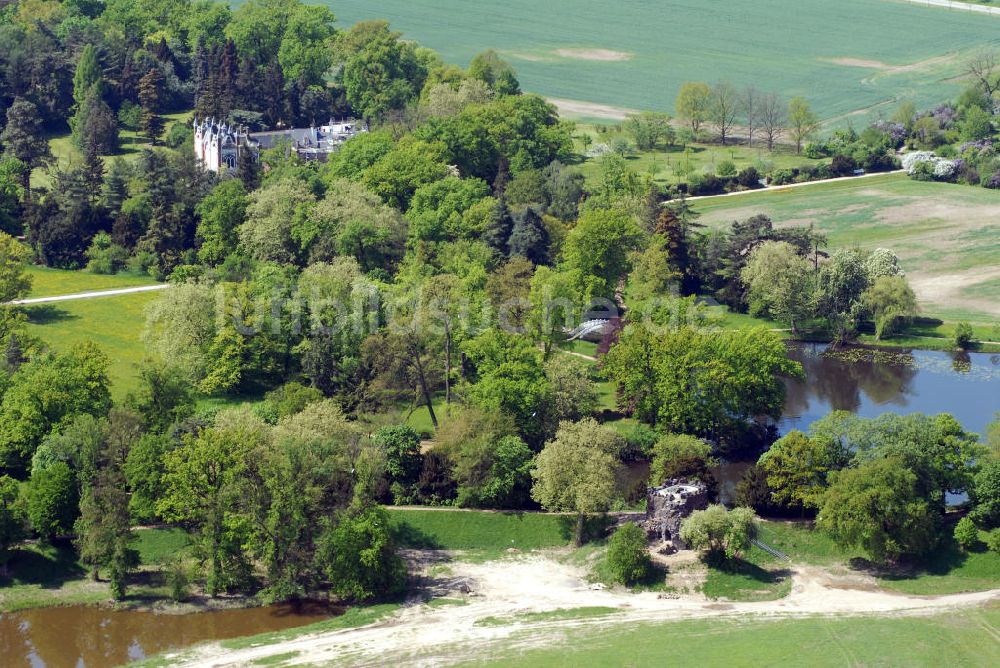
46 282
947 236
114 323
966 638
448 529
853 56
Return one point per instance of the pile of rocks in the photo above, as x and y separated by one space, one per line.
667 507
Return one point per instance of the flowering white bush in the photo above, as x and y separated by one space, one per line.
882 262
943 167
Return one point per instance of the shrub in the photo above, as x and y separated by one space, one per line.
726 168
178 579
180 134
706 184
843 165
105 257
993 541
782 177
130 115
749 177
966 533
963 335
628 559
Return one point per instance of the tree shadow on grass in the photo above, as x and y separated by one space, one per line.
406 535
942 561
595 527
747 569
47 314
48 566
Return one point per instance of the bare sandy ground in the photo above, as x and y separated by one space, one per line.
583 109
425 636
594 54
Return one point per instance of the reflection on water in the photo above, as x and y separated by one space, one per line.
967 385
91 637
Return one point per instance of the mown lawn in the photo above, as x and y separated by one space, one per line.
448 529
114 323
757 576
947 236
47 282
961 638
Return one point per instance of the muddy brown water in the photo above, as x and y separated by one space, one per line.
82 636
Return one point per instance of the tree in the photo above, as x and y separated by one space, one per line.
104 528
14 282
796 467
573 394
88 75
877 508
840 283
12 518
383 74
493 473
305 54
966 534
802 121
694 104
773 118
694 382
150 87
976 125
529 238
24 138
271 214
648 129
358 557
163 398
599 247
45 392
679 456
95 127
575 472
724 108
495 72
781 282
499 228
52 500
220 215
889 300
982 69
402 459
719 531
202 487
751 101
628 559
986 494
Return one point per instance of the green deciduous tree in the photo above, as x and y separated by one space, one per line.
52 500
679 456
220 215
599 248
966 534
628 559
575 472
358 557
803 122
797 466
877 507
781 281
719 531
12 518
890 301
23 138
986 494
693 104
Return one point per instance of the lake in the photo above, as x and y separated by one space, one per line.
81 636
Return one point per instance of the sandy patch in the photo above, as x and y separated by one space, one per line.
594 54
582 109
886 68
505 589
530 57
948 289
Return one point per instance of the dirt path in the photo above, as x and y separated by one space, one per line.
537 583
91 295
963 6
772 189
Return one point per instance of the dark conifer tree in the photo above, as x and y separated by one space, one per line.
529 238
497 233
149 96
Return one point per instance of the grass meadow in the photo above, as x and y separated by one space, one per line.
947 236
966 638
114 323
48 282
848 57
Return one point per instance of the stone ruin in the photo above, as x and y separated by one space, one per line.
668 506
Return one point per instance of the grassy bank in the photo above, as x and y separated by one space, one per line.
45 575
489 532
47 282
949 570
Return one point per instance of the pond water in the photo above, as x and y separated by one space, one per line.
870 382
92 637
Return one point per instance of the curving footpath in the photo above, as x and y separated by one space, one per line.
90 295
